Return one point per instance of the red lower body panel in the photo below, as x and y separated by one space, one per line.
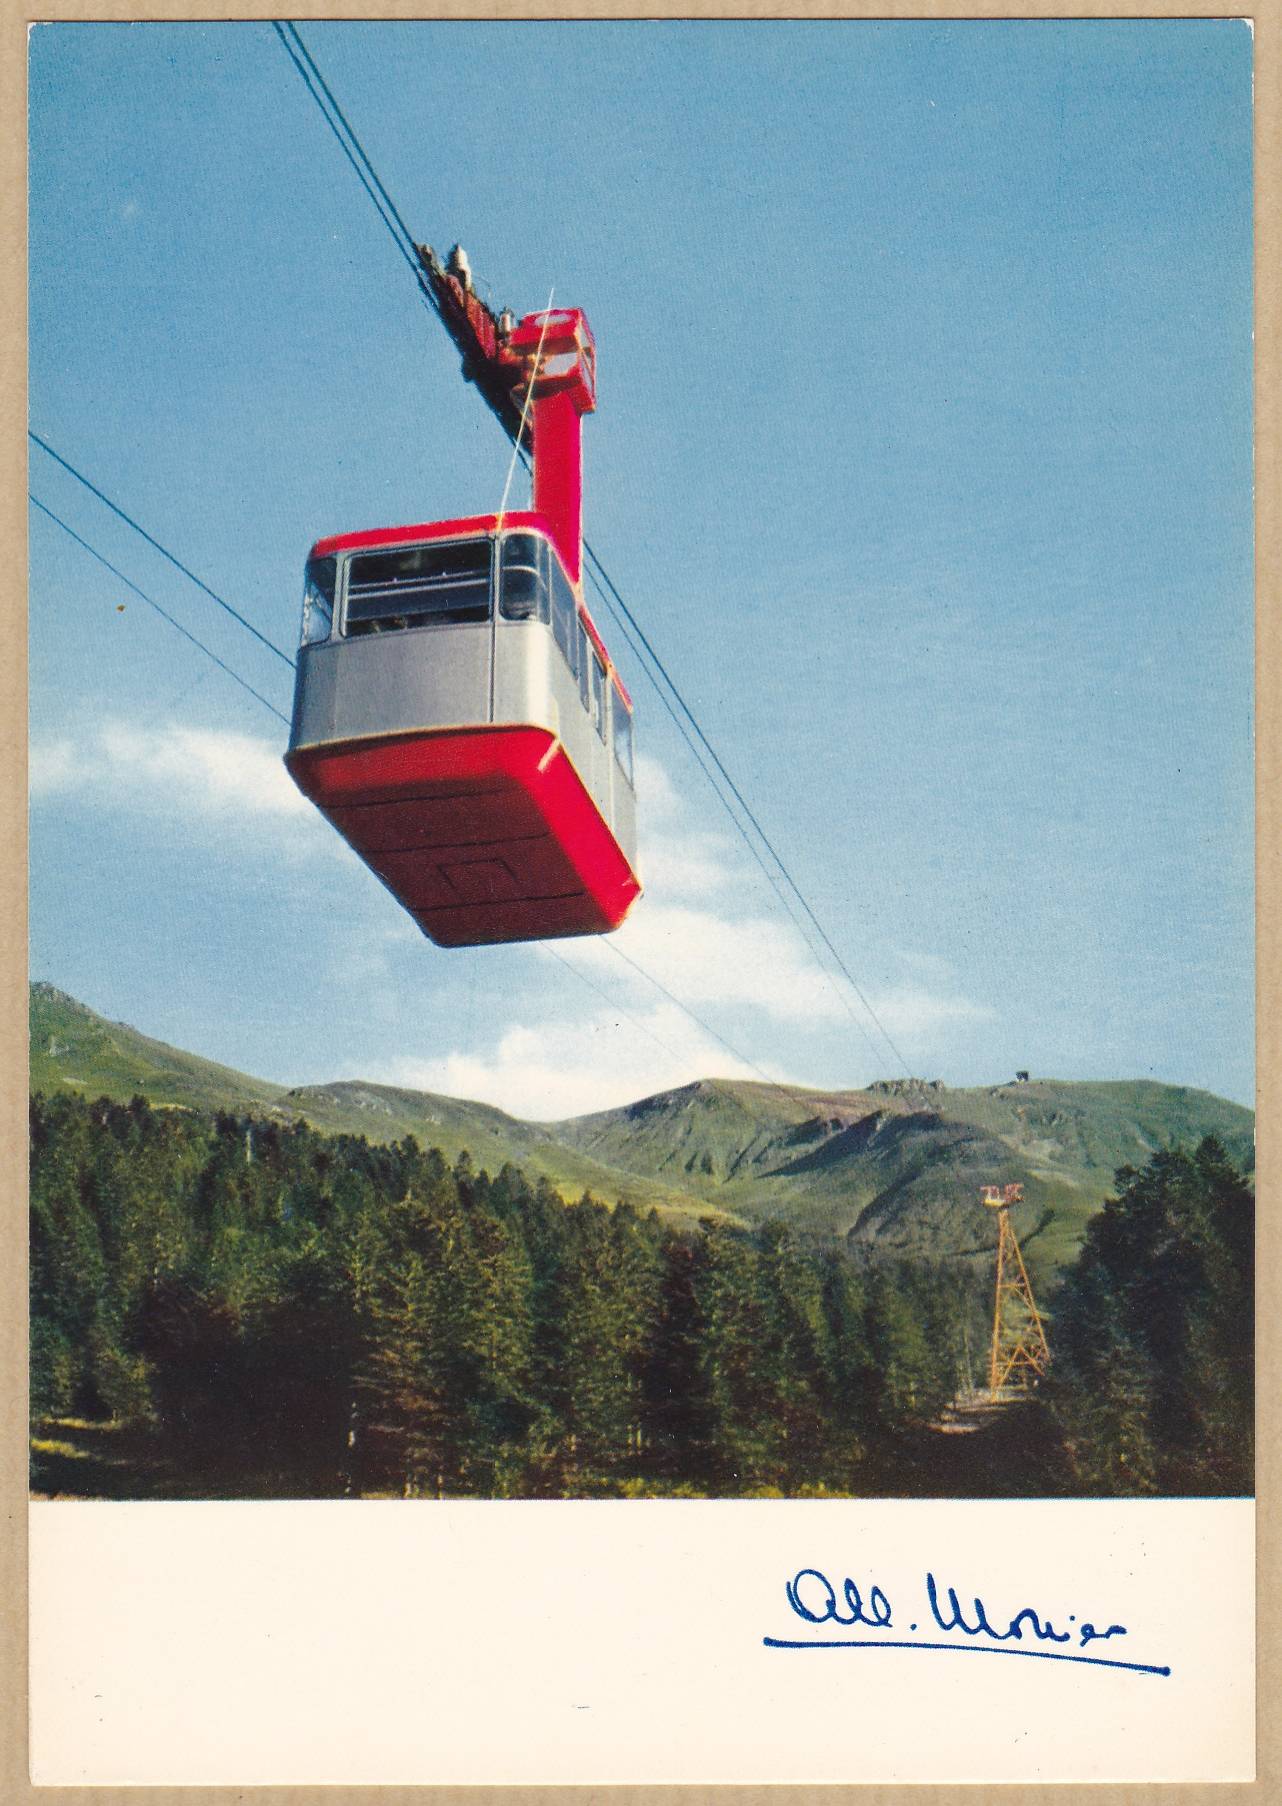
483 834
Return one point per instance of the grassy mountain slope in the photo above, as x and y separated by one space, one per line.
900 1164
73 1049
896 1167
388 1113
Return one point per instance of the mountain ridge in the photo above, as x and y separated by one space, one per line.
894 1166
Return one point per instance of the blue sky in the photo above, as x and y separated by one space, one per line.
923 455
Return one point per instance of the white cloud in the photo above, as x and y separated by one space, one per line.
700 932
911 1010
51 766
926 965
200 770
686 865
655 793
220 771
696 931
603 1058
677 860
708 958
557 1069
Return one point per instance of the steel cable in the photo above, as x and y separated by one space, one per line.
151 603
358 150
156 545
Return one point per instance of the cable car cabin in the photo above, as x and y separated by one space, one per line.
458 720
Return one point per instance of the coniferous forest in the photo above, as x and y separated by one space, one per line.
225 1306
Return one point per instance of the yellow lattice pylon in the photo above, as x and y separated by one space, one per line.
1019 1354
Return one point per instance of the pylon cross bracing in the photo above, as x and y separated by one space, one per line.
1020 1353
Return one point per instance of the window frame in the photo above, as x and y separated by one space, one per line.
542 557
349 558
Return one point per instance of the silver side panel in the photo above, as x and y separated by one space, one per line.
533 686
625 817
313 722
577 734
389 683
525 655
440 677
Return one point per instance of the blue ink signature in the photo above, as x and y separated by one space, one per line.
813 1597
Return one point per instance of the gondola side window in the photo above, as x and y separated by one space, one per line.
585 663
623 737
598 698
318 600
523 590
564 617
419 586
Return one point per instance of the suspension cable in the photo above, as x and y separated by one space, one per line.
649 977
155 543
727 804
151 603
354 149
692 746
743 803
614 1004
343 120
396 226
788 1094
582 976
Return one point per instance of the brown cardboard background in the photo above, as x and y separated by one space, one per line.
13 1773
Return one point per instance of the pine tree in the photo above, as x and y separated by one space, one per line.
423 1361
906 1387
1152 1375
677 1410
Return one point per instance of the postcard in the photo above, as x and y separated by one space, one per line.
641 962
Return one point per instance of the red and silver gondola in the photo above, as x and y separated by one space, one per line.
457 717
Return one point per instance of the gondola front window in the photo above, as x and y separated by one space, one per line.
419 586
523 592
318 600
